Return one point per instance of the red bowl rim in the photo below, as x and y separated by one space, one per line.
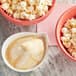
28 22
58 41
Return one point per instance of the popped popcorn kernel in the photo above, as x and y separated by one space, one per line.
16 15
5 6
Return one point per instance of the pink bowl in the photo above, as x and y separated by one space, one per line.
71 12
26 22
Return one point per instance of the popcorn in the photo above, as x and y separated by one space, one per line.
74 36
42 2
67 44
10 11
74 54
73 42
5 6
23 4
73 22
19 8
3 1
9 1
16 15
32 2
73 30
66 41
22 15
29 9
65 30
68 37
68 24
13 7
31 17
14 1
49 2
32 8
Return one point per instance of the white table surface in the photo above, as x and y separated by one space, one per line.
56 63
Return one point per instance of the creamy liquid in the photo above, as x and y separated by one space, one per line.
26 52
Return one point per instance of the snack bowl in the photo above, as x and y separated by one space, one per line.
68 14
26 22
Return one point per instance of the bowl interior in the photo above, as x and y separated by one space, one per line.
70 13
26 22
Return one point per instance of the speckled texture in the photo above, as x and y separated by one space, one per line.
56 63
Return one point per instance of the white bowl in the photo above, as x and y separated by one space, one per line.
18 35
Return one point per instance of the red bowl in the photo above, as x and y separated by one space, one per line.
70 13
26 22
